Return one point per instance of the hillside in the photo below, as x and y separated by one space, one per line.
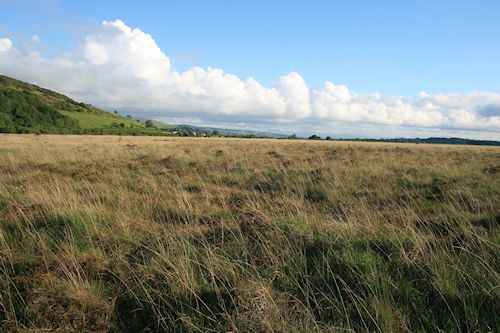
27 108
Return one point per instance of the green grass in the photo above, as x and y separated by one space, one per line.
161 125
26 108
93 120
163 234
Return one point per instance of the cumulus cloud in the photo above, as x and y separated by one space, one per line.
128 51
5 44
118 67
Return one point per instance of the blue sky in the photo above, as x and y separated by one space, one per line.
394 48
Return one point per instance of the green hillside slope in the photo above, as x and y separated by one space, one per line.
27 108
100 120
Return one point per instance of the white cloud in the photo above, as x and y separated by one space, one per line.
5 44
96 53
118 67
296 94
127 50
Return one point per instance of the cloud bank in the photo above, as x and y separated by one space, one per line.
118 67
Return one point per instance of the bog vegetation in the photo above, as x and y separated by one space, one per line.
129 234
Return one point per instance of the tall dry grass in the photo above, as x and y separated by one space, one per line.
129 234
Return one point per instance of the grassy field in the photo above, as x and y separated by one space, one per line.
131 234
99 120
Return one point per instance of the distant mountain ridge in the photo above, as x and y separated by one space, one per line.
229 132
434 140
235 132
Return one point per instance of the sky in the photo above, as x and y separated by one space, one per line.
338 68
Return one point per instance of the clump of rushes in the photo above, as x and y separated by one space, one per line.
316 193
135 234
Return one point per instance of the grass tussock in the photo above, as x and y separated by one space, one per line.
198 235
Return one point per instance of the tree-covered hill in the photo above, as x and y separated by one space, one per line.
27 108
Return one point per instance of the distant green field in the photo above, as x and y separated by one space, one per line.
164 125
91 120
